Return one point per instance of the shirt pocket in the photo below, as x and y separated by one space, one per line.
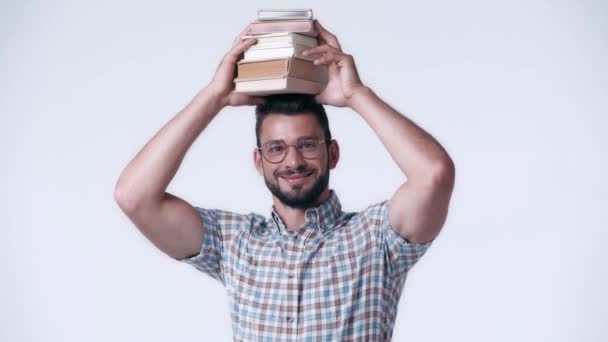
340 281
256 282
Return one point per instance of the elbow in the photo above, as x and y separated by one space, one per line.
444 173
121 196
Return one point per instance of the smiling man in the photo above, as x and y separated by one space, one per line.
304 183
309 271
297 178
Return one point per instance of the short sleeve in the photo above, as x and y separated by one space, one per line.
219 227
400 254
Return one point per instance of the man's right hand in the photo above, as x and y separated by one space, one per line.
222 84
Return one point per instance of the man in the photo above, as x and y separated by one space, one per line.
309 271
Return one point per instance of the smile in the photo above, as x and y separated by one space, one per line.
297 179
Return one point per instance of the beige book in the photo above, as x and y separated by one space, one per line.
286 67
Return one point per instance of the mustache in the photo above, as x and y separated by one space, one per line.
292 172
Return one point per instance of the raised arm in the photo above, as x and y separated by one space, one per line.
418 209
170 223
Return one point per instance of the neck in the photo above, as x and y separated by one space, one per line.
293 218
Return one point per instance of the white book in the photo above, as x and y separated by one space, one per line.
282 38
279 51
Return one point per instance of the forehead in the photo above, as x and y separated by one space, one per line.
289 127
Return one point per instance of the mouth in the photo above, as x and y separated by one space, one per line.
297 179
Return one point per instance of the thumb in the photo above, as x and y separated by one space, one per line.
246 100
256 100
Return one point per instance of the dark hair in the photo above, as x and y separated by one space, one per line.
290 104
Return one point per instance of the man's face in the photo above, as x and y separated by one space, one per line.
296 181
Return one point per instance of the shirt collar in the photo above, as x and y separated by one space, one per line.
322 216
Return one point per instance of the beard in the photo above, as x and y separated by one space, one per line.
298 197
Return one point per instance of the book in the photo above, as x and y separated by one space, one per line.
283 14
275 64
305 27
279 85
269 39
277 51
287 67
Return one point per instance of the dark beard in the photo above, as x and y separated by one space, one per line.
304 200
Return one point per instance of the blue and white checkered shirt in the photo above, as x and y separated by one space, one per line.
339 277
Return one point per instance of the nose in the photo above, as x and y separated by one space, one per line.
294 158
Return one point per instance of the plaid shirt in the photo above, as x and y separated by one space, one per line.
339 277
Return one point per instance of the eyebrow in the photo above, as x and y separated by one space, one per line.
300 138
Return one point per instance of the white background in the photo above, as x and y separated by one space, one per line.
516 92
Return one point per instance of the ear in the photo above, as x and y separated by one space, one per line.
334 154
257 161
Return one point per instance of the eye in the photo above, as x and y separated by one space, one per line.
274 148
307 144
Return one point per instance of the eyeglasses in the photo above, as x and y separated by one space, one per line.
275 151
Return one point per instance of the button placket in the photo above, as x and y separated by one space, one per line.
292 281
293 294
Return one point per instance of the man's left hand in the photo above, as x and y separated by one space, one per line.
344 79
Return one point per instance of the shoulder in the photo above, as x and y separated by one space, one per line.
371 215
367 220
230 219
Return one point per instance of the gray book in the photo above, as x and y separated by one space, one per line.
284 14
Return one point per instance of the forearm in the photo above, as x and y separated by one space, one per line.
416 152
147 176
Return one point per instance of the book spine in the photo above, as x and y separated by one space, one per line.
267 54
303 27
278 14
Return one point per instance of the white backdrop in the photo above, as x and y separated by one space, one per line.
516 91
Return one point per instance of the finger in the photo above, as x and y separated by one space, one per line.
252 100
333 69
329 37
257 100
320 49
246 100
240 47
329 58
242 34
320 98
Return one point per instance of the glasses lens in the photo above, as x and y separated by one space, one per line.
309 148
274 151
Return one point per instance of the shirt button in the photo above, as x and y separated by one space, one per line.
289 319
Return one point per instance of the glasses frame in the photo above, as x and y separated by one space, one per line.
261 149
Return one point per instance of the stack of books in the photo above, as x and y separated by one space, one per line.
274 64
